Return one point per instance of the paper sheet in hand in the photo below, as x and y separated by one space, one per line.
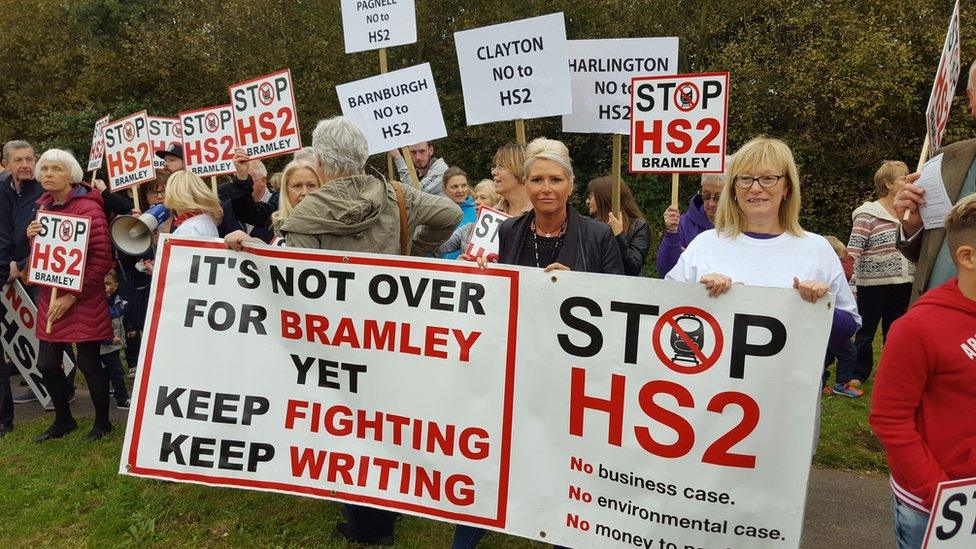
937 203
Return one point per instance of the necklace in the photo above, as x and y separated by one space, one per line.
535 242
561 230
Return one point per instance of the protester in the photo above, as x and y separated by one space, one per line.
507 173
926 385
456 188
274 182
758 240
430 170
927 247
172 157
19 192
360 213
484 194
632 234
300 179
305 153
194 204
79 318
249 184
844 352
883 275
111 358
680 229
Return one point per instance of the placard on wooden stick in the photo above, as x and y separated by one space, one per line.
128 152
265 117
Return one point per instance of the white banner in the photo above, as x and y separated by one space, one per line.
643 412
375 24
128 152
601 71
515 70
58 252
396 109
679 123
265 117
208 140
944 87
97 150
18 318
952 517
484 239
163 132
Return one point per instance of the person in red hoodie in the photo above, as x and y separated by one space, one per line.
926 387
81 317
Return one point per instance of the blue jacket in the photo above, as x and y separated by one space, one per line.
469 214
17 210
692 223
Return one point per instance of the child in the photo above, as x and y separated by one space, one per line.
925 389
111 359
846 354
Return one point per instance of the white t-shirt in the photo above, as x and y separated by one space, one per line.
198 225
769 262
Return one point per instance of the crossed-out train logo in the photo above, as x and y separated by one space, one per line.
695 339
178 130
66 231
211 122
686 96
266 94
128 131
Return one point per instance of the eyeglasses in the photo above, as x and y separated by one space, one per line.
158 192
746 181
709 197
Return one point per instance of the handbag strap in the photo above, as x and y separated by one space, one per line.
402 203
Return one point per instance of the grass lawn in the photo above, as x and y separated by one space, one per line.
69 495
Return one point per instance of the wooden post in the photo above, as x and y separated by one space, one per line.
54 295
674 190
414 180
213 183
390 171
135 197
922 157
520 131
93 174
615 175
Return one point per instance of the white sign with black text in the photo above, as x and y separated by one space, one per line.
374 24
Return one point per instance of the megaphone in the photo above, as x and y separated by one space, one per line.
133 235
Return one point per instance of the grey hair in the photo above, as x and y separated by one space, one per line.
305 153
542 148
340 146
259 168
719 177
11 146
58 156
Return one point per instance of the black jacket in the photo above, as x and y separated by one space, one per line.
589 245
17 210
240 208
634 245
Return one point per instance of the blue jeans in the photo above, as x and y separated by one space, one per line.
467 537
909 525
846 355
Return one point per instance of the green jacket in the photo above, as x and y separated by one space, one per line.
360 214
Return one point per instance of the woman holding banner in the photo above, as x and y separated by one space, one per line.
79 318
632 234
195 205
758 240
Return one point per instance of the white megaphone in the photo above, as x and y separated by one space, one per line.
133 235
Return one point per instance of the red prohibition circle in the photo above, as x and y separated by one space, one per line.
266 94
178 130
211 122
686 96
128 131
66 230
705 362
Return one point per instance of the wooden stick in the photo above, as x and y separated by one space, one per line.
390 171
93 174
615 174
520 131
674 190
135 197
213 183
54 295
922 157
383 67
414 180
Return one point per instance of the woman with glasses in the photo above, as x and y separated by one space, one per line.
758 240
680 229
631 232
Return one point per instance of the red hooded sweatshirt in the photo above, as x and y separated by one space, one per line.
925 394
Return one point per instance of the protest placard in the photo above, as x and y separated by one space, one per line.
128 152
515 70
679 123
601 72
97 150
208 140
265 117
953 516
944 88
163 132
644 414
375 24
57 257
395 109
18 316
484 238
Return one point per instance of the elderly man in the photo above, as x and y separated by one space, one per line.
928 247
360 213
172 157
251 178
430 170
681 229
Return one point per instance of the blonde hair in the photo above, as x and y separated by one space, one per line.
186 192
839 247
285 207
889 171
487 186
512 157
960 225
760 151
542 148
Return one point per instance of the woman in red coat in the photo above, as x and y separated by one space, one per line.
81 317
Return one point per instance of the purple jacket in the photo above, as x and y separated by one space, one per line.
693 222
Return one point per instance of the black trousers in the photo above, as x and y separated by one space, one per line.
877 304
89 362
368 524
6 399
